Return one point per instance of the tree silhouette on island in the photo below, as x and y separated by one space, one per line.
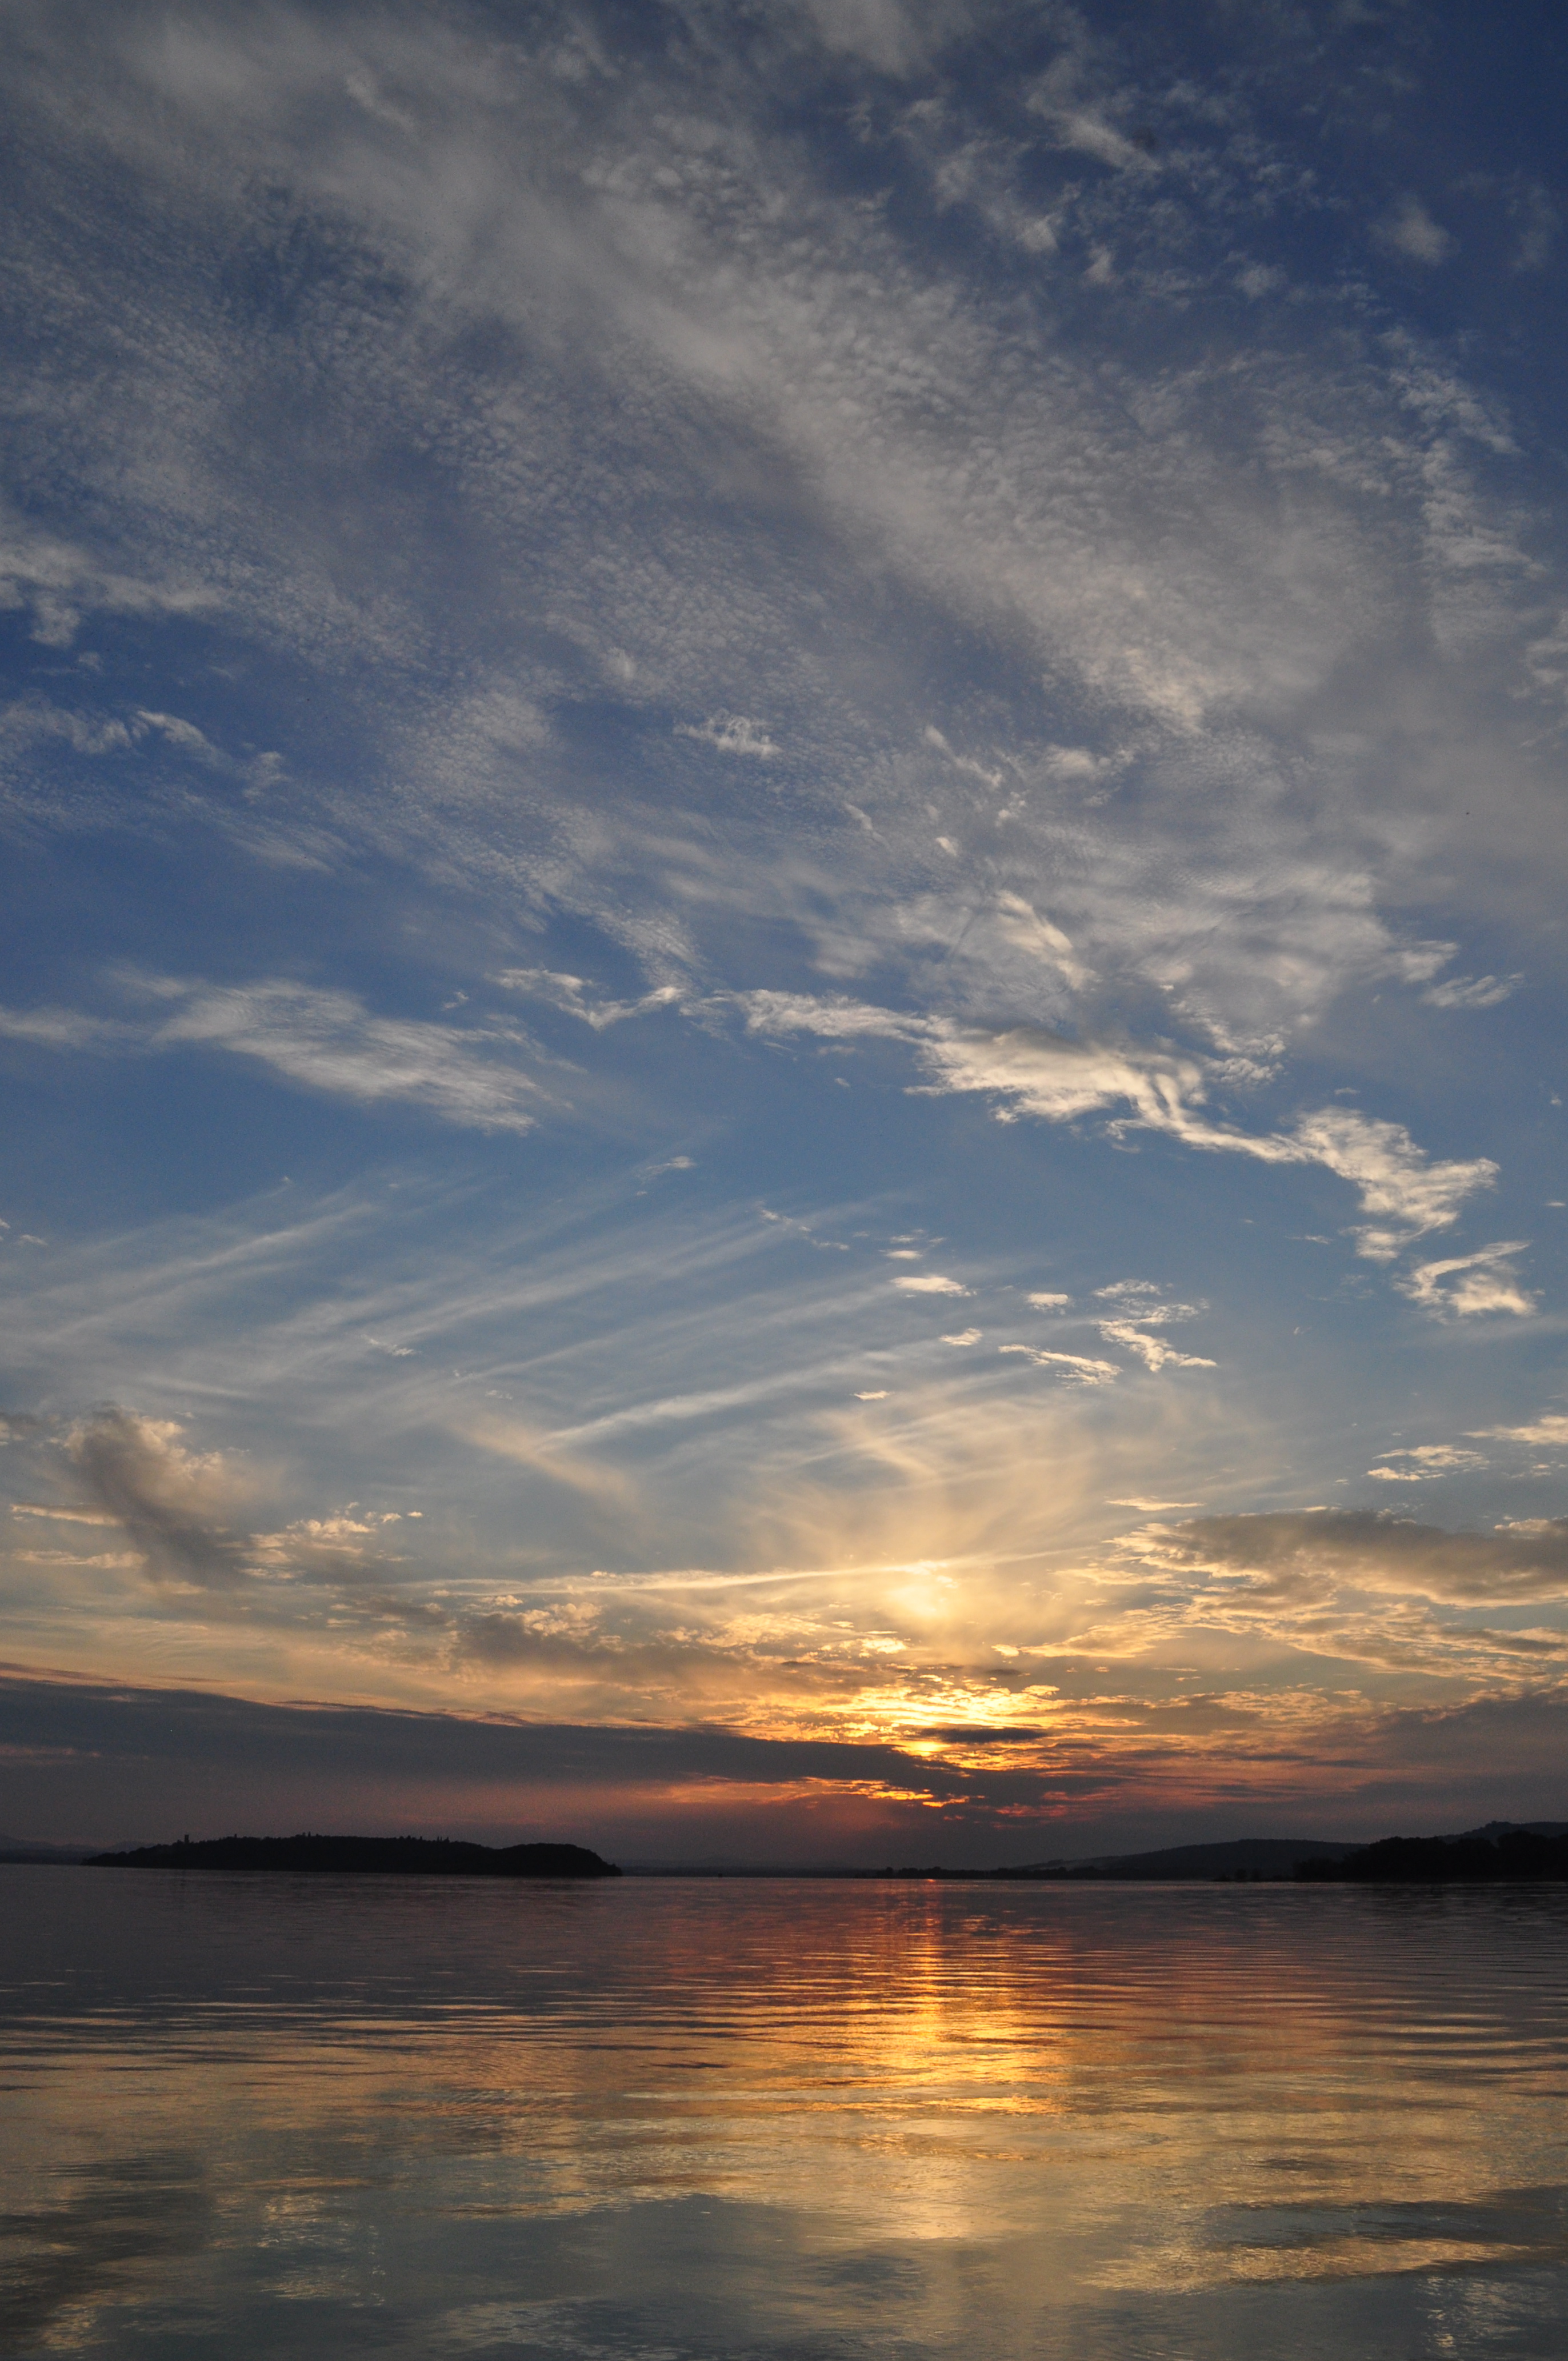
381 1856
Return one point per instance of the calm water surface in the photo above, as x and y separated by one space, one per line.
309 2117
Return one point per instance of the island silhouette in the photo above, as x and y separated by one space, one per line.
359 1856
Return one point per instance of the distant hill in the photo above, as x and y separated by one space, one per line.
1536 1854
1493 1829
1502 1850
358 1856
1244 1857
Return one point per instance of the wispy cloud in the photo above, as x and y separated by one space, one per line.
1403 1192
330 1041
318 1039
1468 1286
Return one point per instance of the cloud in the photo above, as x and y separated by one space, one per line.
1065 98
29 719
60 582
1150 1508
576 998
95 1760
1299 1553
928 1282
283 1747
319 1039
1539 221
964 1337
1087 1371
678 571
1425 1460
1141 1309
1472 991
1472 1285
1046 1075
1551 1430
1409 230
56 1515
1153 1351
566 1644
362 89
550 1455
732 733
894 36
329 1041
64 1029
182 734
1406 1194
183 1511
172 1503
798 362
1057 1079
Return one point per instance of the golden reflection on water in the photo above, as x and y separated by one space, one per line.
921 2112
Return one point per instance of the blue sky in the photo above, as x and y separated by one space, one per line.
784 886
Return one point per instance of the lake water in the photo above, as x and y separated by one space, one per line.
306 2117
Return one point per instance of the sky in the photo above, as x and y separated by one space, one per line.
784 885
